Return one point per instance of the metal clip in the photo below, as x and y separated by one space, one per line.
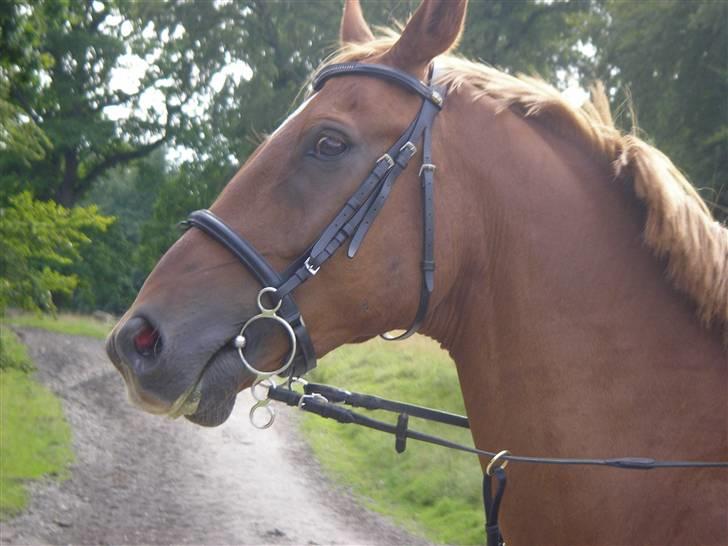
302 400
436 98
497 462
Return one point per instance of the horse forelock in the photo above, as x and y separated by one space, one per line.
679 226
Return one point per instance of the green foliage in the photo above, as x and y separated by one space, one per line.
671 58
37 239
63 78
19 135
35 439
537 38
428 489
192 187
13 354
19 57
217 75
110 273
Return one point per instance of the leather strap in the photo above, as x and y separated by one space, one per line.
383 72
370 402
207 222
427 179
321 406
493 536
357 216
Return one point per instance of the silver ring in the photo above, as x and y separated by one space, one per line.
291 335
271 415
262 307
265 382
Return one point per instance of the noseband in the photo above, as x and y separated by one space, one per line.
352 223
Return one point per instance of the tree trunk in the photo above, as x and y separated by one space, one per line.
66 194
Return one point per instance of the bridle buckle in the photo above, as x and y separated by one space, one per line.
311 269
388 159
408 147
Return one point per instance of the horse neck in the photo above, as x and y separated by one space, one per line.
548 293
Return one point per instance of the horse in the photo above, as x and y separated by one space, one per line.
581 284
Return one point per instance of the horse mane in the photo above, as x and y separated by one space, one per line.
679 227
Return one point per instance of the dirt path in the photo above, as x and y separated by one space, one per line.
141 479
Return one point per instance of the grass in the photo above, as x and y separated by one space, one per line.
428 489
64 323
13 354
35 439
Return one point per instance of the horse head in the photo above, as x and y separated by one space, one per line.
175 346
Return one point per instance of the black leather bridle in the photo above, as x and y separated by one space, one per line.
352 223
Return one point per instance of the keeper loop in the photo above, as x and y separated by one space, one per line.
400 435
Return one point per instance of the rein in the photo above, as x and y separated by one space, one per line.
351 224
325 400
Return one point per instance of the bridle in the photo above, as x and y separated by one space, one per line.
352 223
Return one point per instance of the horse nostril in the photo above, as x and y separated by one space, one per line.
147 341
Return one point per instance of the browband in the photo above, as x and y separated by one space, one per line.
382 72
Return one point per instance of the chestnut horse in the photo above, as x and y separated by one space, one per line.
581 285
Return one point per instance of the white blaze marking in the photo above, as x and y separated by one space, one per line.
293 115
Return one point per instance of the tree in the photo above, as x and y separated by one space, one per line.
37 239
19 135
109 273
192 187
68 86
671 59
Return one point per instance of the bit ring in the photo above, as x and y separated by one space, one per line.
291 335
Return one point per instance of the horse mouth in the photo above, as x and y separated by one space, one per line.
210 400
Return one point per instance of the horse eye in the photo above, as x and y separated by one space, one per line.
329 146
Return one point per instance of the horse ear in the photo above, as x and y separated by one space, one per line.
354 28
435 28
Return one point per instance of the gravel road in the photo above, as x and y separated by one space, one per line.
141 479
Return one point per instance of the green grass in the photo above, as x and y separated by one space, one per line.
35 439
64 323
428 489
13 354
